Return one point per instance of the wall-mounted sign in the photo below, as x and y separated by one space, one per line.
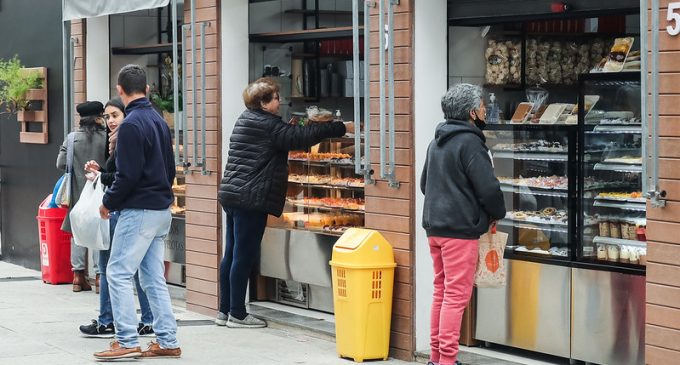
673 16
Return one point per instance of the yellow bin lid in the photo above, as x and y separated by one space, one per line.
360 248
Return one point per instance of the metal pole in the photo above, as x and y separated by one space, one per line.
368 4
390 74
185 129
381 52
203 148
657 196
71 81
644 51
175 81
357 87
194 70
66 62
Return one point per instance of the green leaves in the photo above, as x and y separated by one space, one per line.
15 82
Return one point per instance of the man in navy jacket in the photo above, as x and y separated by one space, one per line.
142 192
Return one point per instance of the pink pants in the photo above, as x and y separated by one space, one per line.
455 262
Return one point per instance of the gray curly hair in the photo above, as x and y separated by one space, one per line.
460 99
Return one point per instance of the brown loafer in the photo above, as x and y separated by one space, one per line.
116 351
155 351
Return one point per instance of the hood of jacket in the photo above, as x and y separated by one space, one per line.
446 130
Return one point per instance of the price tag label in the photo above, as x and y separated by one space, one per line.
673 17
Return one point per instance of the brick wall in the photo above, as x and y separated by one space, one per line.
78 31
388 210
662 335
203 216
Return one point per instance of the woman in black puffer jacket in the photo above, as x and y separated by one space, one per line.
254 185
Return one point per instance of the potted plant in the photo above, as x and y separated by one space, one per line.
19 86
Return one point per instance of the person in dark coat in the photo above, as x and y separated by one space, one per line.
462 200
254 185
88 144
102 327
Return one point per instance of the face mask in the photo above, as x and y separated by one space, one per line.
479 123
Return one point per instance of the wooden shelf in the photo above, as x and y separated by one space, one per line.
304 35
146 49
311 12
37 117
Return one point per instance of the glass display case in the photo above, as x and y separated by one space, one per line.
536 166
613 208
324 195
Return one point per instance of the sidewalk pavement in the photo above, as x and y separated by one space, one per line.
39 325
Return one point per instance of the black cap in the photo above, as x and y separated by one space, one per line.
90 108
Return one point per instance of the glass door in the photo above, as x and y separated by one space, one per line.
613 214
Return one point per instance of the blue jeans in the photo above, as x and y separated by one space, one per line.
244 237
105 311
138 244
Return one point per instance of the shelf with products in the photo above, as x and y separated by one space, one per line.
535 164
619 207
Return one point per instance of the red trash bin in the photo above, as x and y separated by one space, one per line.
55 244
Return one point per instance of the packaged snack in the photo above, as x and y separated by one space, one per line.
602 252
613 253
615 229
497 56
604 229
617 54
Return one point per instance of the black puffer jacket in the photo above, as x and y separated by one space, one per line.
256 174
462 195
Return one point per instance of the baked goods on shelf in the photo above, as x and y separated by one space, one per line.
317 221
348 182
309 179
174 209
318 157
545 216
621 196
536 146
540 182
338 203
179 189
627 160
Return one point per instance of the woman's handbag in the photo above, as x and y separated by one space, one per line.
63 194
88 228
490 267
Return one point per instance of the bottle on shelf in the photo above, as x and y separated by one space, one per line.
492 116
338 116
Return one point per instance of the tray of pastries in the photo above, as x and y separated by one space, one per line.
539 182
546 216
337 203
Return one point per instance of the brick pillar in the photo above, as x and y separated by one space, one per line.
78 31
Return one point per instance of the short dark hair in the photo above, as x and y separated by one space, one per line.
260 91
132 79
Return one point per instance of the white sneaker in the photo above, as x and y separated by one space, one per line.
221 319
248 322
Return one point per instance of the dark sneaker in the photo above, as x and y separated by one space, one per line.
221 319
144 330
95 329
155 351
116 352
248 322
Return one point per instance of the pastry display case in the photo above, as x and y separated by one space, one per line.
324 195
612 170
536 166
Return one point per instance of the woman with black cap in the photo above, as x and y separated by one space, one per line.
89 142
102 327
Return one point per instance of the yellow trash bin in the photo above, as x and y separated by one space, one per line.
363 278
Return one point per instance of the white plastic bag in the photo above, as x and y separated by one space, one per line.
490 267
88 228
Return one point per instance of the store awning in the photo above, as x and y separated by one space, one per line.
82 9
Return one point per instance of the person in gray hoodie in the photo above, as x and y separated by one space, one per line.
463 199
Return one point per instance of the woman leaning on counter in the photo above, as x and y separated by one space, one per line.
254 185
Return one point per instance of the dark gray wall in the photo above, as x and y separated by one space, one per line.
31 29
480 12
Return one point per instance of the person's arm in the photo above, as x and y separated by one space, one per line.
61 158
130 161
423 176
289 137
479 171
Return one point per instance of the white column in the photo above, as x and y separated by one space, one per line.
97 55
235 68
430 84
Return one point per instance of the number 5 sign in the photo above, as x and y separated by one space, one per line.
673 16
